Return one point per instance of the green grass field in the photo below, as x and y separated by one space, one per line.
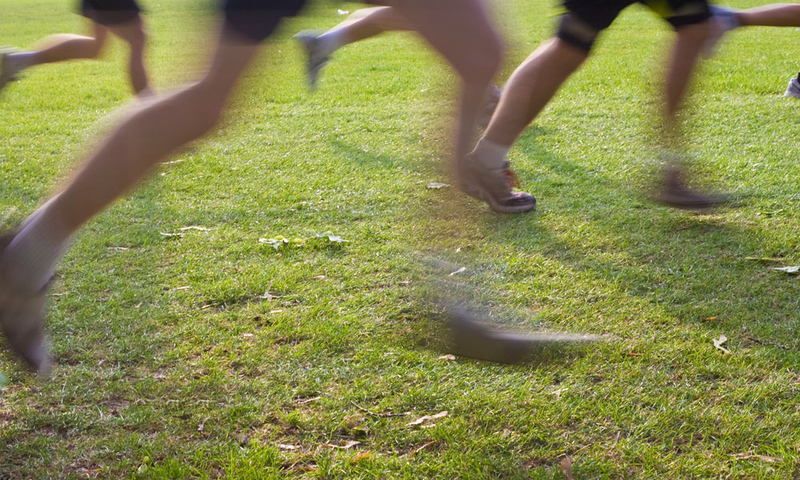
188 347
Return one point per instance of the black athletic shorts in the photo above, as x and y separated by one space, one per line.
585 19
255 20
110 12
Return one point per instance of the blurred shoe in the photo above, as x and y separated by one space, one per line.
470 337
723 20
676 194
22 322
8 68
793 90
494 186
315 59
491 105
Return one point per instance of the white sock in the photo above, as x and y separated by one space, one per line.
31 257
331 41
490 154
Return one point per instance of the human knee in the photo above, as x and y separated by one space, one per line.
207 106
134 34
95 47
484 62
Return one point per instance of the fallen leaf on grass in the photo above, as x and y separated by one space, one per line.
748 456
764 259
361 456
719 342
426 418
558 392
709 319
331 237
449 356
565 464
789 270
276 242
301 467
350 444
303 401
417 450
281 241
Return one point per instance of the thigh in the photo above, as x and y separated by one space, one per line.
460 30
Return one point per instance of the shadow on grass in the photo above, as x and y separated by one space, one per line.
678 266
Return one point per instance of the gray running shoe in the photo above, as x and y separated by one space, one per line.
723 20
494 186
8 71
793 90
315 60
21 320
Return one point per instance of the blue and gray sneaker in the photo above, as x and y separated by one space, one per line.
8 69
793 90
315 59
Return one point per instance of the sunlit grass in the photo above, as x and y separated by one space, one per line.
204 352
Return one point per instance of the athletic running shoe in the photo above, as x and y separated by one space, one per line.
21 320
315 60
491 105
793 90
494 186
723 20
676 194
8 71
471 337
474 339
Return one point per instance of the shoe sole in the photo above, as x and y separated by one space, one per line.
713 202
483 195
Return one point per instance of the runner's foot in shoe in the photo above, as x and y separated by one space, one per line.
494 186
22 320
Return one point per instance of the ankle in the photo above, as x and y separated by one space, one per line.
491 155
